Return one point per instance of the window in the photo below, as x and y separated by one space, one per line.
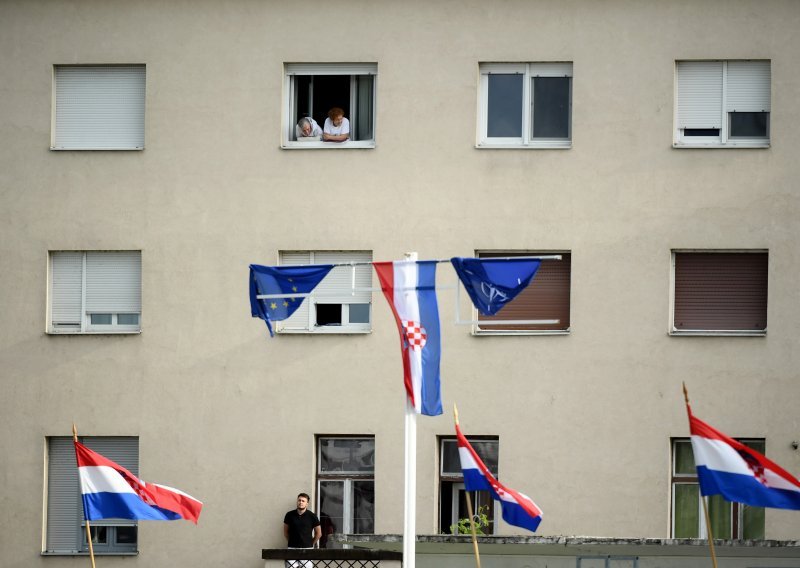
721 293
95 291
728 520
65 527
346 483
722 103
312 89
525 104
545 298
334 306
452 494
99 107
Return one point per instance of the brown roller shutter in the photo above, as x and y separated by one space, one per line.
721 291
547 296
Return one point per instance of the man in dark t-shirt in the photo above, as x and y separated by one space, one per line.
301 527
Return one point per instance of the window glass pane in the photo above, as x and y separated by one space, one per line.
686 511
752 522
126 535
749 124
101 319
363 118
302 98
331 506
359 313
551 107
719 511
684 458
329 314
347 455
487 450
363 507
757 445
99 534
128 319
504 107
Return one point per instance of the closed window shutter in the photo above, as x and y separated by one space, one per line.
99 107
65 292
546 297
337 286
699 94
113 282
721 291
331 68
64 505
748 86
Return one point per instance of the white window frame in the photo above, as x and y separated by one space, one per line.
291 70
98 107
85 325
724 140
528 71
297 324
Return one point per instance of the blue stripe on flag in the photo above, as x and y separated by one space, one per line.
745 489
429 316
515 515
108 505
475 481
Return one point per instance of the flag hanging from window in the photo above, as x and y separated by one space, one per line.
410 289
110 491
518 509
738 473
493 282
268 280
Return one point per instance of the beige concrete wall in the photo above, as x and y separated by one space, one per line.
229 415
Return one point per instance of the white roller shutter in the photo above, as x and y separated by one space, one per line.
114 282
551 69
699 94
99 107
337 286
331 68
66 282
748 86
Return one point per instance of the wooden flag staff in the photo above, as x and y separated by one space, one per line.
88 528
469 509
702 499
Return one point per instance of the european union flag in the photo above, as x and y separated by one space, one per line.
493 282
282 280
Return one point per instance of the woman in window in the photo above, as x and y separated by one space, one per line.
337 127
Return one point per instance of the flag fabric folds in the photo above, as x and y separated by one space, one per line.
493 282
410 289
518 509
282 280
110 491
738 473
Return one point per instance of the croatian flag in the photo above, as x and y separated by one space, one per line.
410 288
518 509
739 473
110 491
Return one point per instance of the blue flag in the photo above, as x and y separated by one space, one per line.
493 282
282 280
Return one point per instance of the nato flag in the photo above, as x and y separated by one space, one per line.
282 280
493 282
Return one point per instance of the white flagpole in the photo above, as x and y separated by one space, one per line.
410 490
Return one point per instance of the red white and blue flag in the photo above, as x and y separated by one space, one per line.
738 473
518 509
410 288
110 491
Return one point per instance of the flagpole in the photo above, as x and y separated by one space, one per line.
702 499
410 485
88 528
469 509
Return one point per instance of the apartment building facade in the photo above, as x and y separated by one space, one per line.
150 154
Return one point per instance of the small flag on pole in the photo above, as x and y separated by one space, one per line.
110 491
738 473
281 280
493 282
518 509
410 289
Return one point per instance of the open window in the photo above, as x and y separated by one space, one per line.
312 89
452 492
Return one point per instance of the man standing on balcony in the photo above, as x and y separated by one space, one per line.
301 527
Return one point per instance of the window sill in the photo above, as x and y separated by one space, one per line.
717 333
350 144
94 332
96 553
729 145
500 332
60 149
323 331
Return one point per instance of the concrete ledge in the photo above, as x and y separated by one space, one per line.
329 554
